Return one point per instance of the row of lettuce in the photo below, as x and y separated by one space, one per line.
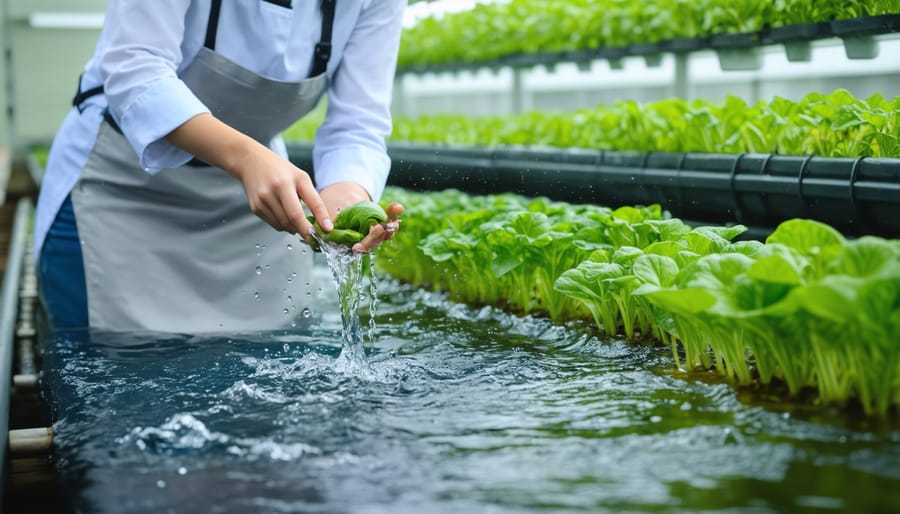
807 308
829 125
491 30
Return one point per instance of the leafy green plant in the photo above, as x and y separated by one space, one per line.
833 125
807 307
499 29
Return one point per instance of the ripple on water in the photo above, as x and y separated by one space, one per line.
459 409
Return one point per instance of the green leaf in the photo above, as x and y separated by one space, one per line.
669 249
705 242
626 255
777 263
716 272
832 298
808 236
744 247
867 256
658 270
687 302
504 263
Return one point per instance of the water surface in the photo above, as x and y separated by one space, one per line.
460 410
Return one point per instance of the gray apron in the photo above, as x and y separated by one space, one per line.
180 251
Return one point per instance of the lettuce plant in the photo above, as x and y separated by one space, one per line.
807 307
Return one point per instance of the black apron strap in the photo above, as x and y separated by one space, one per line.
81 96
212 25
323 47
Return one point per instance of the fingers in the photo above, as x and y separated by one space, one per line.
377 235
277 190
311 198
393 211
383 232
292 212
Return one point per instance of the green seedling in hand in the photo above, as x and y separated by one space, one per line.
350 226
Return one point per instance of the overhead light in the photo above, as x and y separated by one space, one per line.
424 9
62 20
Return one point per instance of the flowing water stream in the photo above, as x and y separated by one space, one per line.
453 410
349 272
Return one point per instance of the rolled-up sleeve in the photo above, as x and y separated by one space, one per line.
350 144
138 69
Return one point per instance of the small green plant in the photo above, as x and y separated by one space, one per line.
350 225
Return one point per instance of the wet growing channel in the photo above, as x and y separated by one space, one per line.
462 410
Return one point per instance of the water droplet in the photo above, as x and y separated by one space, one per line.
182 471
257 246
285 312
258 270
263 247
160 483
293 273
290 246
267 266
306 313
255 297
290 298
308 293
286 347
293 323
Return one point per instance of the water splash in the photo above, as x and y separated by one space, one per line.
348 273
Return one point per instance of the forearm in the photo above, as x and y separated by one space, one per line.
273 185
216 143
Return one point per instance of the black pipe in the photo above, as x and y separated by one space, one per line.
856 196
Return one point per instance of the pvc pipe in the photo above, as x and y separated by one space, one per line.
9 300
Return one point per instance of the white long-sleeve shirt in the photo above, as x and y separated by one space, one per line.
145 44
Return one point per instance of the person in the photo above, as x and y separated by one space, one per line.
168 202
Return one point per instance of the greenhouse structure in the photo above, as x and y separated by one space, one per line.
647 260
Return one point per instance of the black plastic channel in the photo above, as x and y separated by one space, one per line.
866 26
856 196
796 33
8 304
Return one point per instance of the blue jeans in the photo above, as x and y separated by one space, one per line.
61 272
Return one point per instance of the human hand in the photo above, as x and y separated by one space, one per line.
343 194
275 187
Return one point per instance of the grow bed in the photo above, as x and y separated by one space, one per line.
461 410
